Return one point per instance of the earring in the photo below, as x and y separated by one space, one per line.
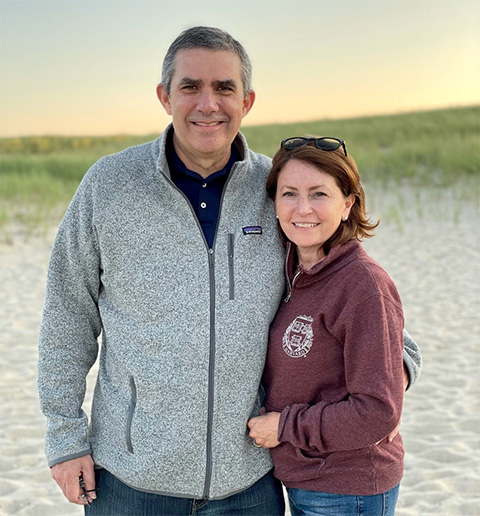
345 218
276 216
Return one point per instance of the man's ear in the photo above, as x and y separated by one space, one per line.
248 102
164 98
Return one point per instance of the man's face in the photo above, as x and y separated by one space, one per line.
207 104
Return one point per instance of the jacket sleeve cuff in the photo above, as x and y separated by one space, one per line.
281 424
72 456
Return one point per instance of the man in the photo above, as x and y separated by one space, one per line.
170 250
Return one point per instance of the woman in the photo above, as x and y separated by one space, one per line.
334 373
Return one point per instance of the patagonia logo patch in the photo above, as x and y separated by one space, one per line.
252 230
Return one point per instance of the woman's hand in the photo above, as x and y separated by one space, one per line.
264 429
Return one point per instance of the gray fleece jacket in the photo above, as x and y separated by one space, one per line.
184 328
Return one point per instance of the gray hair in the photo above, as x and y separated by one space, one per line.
209 38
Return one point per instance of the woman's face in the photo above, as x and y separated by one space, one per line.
310 206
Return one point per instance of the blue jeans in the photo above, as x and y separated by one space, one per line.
264 498
309 503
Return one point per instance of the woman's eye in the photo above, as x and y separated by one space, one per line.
319 194
287 194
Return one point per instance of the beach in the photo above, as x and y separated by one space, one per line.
428 242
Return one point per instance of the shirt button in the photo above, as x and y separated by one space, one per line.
204 185
203 205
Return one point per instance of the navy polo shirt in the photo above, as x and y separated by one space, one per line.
204 194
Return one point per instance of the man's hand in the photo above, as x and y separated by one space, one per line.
264 429
406 378
66 475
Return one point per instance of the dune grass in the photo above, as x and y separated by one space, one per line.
426 148
431 149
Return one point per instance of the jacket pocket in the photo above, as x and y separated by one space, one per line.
231 277
131 410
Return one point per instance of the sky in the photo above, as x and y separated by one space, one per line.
81 67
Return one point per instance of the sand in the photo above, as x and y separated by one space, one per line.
430 245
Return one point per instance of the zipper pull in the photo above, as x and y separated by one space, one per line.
211 261
287 299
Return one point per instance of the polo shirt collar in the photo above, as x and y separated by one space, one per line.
179 168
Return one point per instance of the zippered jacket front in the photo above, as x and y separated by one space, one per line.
184 327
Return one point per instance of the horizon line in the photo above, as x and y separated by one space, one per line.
265 124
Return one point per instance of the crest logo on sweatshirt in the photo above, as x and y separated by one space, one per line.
298 337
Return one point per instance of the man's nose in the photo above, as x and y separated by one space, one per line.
207 102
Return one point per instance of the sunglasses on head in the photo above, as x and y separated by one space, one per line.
326 143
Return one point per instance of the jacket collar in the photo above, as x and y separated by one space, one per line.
160 150
336 258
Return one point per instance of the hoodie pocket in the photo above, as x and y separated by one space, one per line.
231 277
131 410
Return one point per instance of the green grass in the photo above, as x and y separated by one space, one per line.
426 148
432 149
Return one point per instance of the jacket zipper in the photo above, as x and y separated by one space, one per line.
211 362
211 375
290 287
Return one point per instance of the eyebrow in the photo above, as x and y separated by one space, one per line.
189 82
227 83
316 187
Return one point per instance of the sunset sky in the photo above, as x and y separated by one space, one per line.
81 67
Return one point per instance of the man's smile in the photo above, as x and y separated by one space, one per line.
213 123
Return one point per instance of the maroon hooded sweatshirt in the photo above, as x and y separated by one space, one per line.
335 372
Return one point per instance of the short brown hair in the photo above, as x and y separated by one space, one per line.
209 38
345 172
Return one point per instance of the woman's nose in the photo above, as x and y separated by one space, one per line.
304 206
